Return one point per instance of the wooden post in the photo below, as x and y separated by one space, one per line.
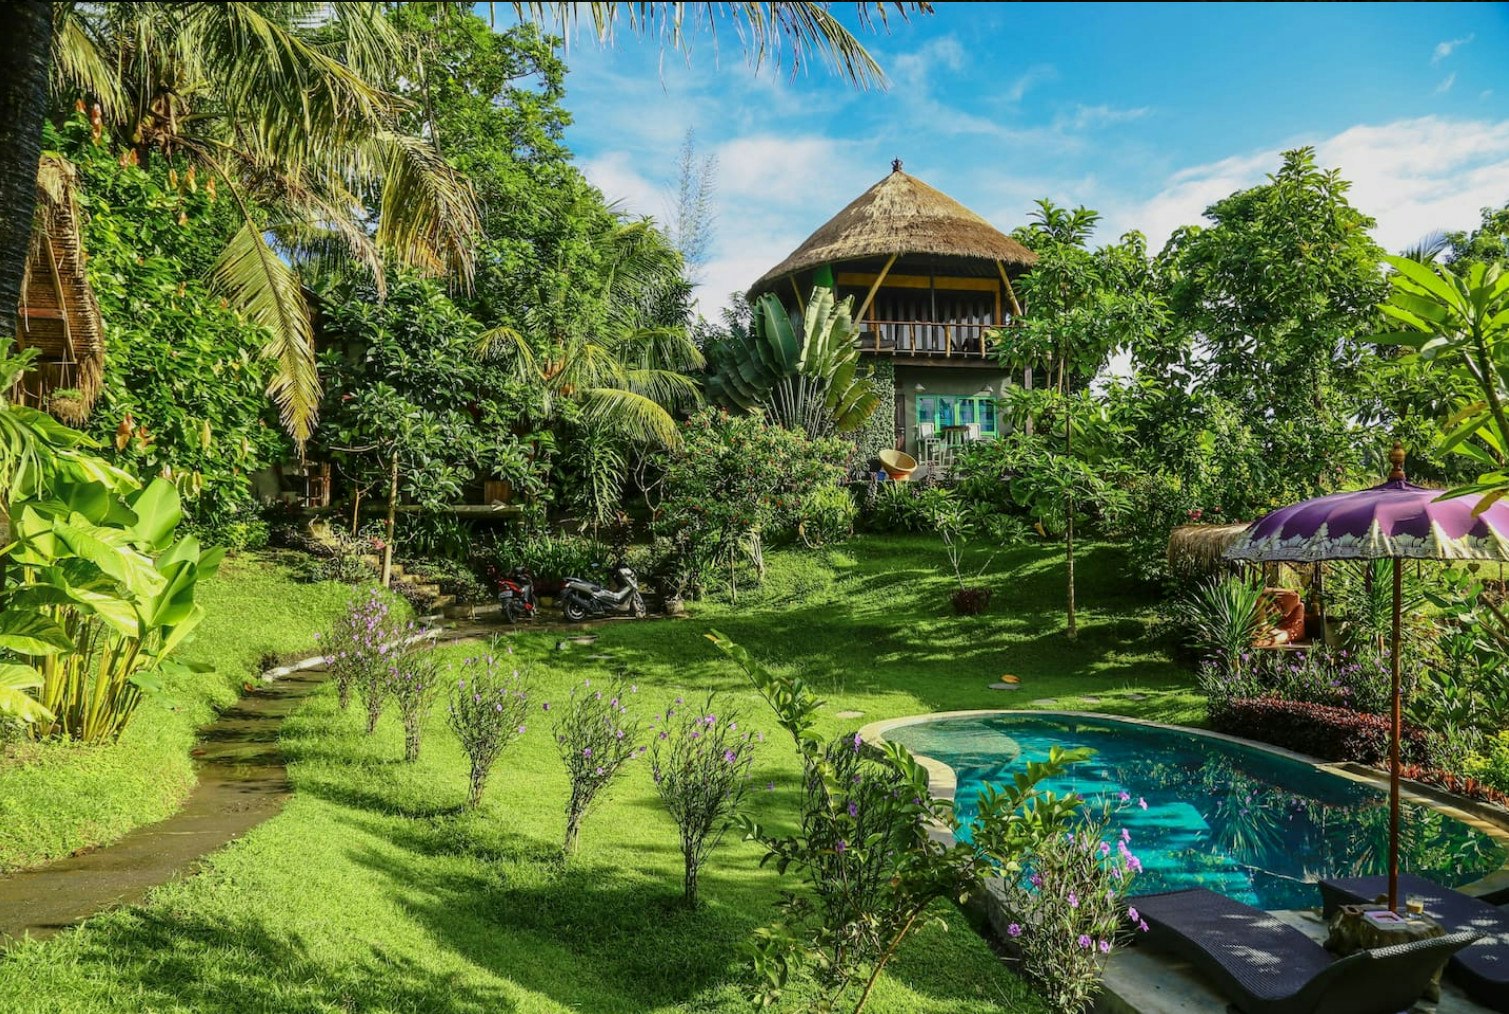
1396 733
864 307
387 549
801 304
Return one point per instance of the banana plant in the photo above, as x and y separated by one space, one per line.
103 593
808 380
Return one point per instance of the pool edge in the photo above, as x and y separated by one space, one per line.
1485 817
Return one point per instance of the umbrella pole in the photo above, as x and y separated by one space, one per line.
1396 734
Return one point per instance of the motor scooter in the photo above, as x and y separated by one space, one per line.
516 595
581 599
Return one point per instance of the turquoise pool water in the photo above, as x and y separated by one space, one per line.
1253 825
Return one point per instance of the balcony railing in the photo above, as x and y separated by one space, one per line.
925 339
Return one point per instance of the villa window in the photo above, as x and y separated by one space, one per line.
958 410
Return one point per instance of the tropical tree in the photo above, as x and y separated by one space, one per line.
1461 320
280 107
277 102
627 372
807 380
1079 306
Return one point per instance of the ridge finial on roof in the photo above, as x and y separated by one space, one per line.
895 165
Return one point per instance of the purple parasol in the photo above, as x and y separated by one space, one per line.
1396 521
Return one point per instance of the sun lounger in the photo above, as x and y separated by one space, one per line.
1265 966
1482 969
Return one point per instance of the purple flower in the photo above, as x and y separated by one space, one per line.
1036 880
1105 947
1142 925
1126 797
841 847
545 706
599 772
729 756
587 751
1105 848
1142 802
1084 941
1132 914
521 728
858 742
1014 930
853 808
1073 900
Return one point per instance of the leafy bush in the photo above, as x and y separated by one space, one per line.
1071 908
596 736
1491 765
1329 733
354 647
827 516
488 708
700 762
414 682
551 558
909 506
730 482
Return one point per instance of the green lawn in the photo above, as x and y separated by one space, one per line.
58 798
373 892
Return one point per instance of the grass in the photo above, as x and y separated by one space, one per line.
373 891
58 798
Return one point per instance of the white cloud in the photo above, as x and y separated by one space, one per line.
1085 117
614 174
1413 176
1444 49
1446 83
1029 79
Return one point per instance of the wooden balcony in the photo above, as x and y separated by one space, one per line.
928 340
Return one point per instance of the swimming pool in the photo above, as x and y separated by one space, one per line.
1254 825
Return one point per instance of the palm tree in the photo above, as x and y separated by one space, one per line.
26 27
628 371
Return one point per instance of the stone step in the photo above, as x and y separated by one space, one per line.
429 591
461 611
441 602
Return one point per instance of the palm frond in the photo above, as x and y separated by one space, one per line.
428 216
263 287
80 64
630 415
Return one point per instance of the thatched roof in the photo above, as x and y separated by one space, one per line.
1195 551
901 215
59 315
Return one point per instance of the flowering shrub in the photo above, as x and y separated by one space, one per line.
863 850
374 682
700 760
414 682
1356 680
1071 909
355 647
596 736
1334 734
488 707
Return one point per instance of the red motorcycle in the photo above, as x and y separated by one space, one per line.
516 595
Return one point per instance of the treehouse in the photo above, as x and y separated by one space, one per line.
59 317
931 282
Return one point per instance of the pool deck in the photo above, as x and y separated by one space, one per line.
1140 981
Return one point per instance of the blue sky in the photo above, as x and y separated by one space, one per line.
1147 113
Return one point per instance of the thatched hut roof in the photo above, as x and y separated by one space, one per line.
901 215
1195 551
59 316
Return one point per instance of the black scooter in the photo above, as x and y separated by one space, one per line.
581 599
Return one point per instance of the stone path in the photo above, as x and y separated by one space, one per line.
241 782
